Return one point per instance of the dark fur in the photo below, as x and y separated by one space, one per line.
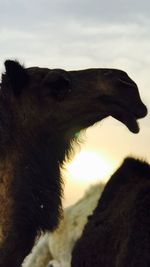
40 112
36 188
118 232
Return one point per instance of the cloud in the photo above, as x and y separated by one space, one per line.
29 14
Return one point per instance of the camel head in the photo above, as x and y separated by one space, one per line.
61 103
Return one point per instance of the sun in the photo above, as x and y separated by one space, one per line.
89 166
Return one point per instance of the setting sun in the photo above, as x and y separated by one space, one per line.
89 166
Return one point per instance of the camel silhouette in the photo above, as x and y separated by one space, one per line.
41 110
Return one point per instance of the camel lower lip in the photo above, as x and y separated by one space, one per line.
133 126
129 119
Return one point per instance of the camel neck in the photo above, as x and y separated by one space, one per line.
30 196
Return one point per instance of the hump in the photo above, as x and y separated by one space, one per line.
117 234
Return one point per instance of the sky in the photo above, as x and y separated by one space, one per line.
73 34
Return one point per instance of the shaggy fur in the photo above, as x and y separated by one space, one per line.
40 112
117 234
56 248
41 253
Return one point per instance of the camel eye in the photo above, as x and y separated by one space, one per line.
57 85
59 88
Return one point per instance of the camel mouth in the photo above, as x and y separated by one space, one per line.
129 116
128 119
127 112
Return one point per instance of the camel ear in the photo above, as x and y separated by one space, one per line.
16 75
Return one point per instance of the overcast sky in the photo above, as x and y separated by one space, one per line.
76 34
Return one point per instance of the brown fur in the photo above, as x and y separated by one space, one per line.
6 200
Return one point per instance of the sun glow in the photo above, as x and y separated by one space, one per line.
89 166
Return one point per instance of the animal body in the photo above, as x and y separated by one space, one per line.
40 112
117 234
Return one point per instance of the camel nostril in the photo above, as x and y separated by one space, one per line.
127 82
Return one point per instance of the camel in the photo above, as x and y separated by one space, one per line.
117 233
41 112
